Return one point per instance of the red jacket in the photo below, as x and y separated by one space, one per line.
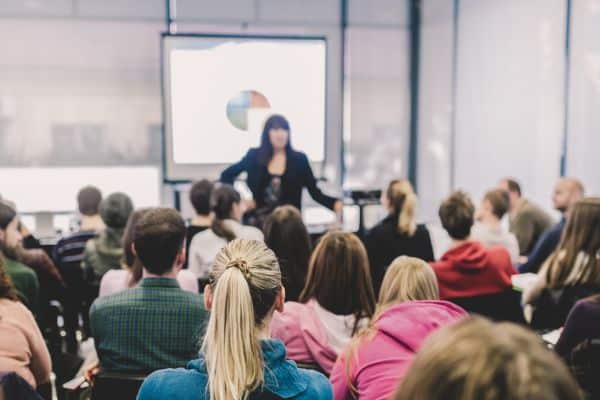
472 270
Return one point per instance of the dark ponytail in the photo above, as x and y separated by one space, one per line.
222 200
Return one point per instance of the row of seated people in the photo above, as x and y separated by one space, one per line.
457 215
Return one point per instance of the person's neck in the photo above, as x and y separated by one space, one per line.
264 332
278 152
91 223
172 274
515 208
491 222
202 220
459 242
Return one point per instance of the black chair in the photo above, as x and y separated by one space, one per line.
584 362
553 305
312 367
504 306
107 386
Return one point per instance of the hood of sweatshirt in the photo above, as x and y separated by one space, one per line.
469 256
410 323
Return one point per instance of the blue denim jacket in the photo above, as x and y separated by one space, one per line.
282 378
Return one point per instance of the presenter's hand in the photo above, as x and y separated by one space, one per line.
248 205
338 207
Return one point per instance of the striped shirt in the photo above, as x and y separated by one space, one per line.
154 325
68 251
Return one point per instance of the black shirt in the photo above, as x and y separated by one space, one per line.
384 243
298 175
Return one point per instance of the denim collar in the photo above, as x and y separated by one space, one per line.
282 376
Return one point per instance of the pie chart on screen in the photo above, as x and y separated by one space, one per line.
243 104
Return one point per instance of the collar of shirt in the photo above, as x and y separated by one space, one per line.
159 282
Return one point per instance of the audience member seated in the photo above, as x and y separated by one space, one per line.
335 304
488 229
476 359
226 226
572 272
117 280
408 310
238 360
68 254
22 347
13 386
105 251
155 324
526 219
566 193
582 323
398 234
469 269
287 236
200 198
24 278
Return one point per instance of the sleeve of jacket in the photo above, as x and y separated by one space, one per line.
311 184
545 245
339 380
232 172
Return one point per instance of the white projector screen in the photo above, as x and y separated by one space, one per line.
219 90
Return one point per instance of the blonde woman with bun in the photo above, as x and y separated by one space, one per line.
408 310
398 234
238 361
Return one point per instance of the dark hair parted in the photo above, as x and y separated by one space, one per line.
7 214
499 200
158 237
286 235
88 200
222 200
339 277
457 215
200 196
513 186
265 150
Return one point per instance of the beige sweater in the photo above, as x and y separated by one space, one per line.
22 347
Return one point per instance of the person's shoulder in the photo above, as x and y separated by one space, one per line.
422 230
177 383
122 299
252 233
318 387
298 156
382 228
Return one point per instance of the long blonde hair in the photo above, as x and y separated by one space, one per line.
403 201
245 281
406 279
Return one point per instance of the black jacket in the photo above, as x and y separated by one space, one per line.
298 174
384 243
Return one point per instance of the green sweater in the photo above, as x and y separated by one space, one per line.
25 281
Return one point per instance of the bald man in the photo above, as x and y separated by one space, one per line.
566 193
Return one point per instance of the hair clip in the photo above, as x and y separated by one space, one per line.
240 264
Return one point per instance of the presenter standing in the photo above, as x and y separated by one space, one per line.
277 173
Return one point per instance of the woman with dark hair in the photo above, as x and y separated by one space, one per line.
277 173
226 226
22 346
286 235
116 280
336 303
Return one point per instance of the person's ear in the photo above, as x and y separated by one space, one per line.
2 235
133 249
280 300
208 297
180 259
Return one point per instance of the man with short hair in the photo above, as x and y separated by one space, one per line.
567 192
469 269
156 324
488 229
68 254
526 219
200 198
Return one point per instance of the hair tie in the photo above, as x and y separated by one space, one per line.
240 264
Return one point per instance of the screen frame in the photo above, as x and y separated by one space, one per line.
213 170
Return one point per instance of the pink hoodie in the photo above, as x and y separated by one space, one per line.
304 334
382 362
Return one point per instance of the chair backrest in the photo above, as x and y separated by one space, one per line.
553 305
584 362
504 306
111 386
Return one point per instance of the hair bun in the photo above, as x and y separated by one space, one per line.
240 264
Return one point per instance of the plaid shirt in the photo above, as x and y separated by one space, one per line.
152 326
